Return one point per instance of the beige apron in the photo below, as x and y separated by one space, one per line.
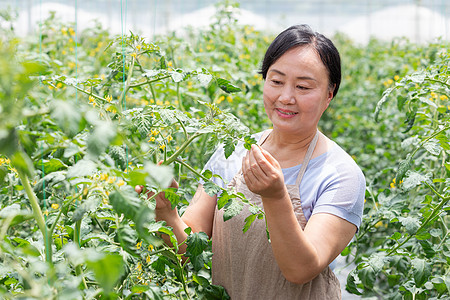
244 263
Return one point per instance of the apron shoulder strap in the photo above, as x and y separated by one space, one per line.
307 158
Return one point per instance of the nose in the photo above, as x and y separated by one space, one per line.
287 95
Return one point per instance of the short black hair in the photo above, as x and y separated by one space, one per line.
299 35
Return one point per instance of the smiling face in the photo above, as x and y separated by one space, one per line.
296 91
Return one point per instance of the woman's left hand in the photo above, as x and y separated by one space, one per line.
263 174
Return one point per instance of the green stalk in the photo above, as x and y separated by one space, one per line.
38 215
180 102
183 147
127 83
430 217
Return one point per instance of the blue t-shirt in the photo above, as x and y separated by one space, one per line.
333 183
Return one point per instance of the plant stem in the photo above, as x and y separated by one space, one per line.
435 211
38 216
122 98
175 155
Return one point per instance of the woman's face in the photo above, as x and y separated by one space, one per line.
296 91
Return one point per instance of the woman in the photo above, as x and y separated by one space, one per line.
312 192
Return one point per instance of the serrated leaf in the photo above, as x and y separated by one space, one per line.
411 224
211 188
107 270
404 166
84 167
248 222
127 239
384 98
413 179
100 139
232 208
226 86
52 165
229 148
432 147
125 201
421 271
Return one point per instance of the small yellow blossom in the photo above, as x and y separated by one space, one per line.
64 31
396 77
55 205
71 31
71 65
120 182
64 52
111 179
443 97
150 247
159 102
134 54
105 200
162 146
170 64
108 98
103 176
102 76
139 266
138 245
152 139
154 132
138 47
148 259
91 99
169 138
167 103
229 99
59 85
45 212
4 161
220 99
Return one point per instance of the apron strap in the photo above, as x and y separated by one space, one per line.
307 158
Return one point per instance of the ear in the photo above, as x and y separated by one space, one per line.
329 97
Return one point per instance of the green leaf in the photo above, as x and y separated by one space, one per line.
84 167
404 166
421 271
172 196
126 201
22 162
211 188
380 103
214 292
410 223
107 270
223 199
66 116
232 208
351 286
248 222
229 147
432 147
52 165
412 180
196 243
100 139
128 239
160 176
9 142
226 86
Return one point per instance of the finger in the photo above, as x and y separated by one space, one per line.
262 165
174 184
270 158
246 170
139 188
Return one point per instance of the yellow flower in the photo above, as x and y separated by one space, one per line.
162 146
138 245
139 266
154 132
152 139
55 205
120 182
148 259
112 179
229 99
443 97
221 98
64 31
103 76
396 77
170 64
169 138
103 176
64 52
159 102
108 98
138 47
91 99
150 247
134 54
71 31
59 85
4 161
71 65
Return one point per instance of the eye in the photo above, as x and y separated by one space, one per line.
301 87
277 82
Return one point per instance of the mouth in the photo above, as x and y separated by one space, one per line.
286 112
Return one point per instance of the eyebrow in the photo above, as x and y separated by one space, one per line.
298 77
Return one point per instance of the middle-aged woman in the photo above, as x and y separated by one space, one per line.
311 190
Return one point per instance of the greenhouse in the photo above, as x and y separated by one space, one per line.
224 149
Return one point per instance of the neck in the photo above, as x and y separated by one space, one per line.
287 141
